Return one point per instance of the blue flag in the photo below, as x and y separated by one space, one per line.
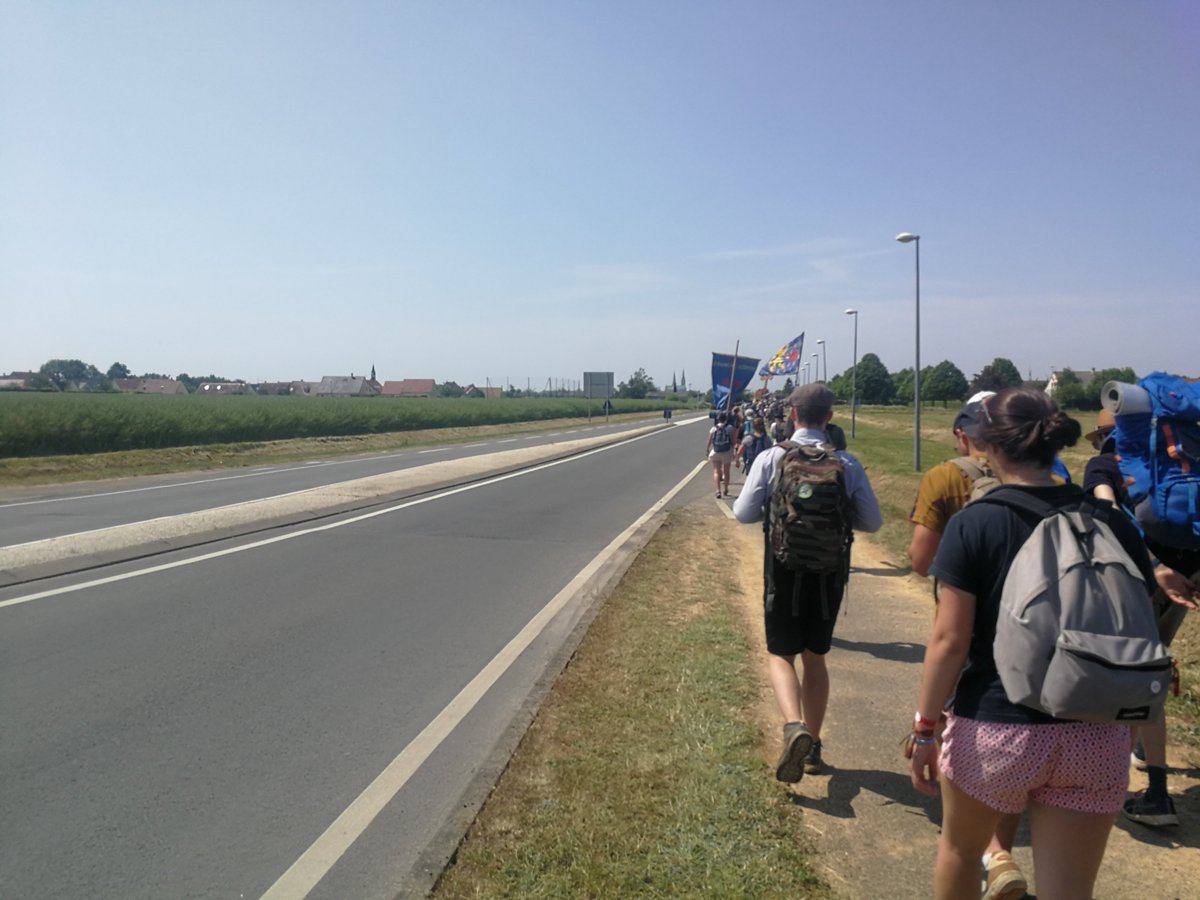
786 361
722 368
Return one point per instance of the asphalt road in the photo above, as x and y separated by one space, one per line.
195 726
33 514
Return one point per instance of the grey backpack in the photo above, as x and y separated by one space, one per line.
1077 636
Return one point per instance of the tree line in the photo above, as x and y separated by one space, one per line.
945 382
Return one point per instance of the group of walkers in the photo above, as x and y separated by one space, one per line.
991 759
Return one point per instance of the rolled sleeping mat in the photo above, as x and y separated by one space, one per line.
1123 399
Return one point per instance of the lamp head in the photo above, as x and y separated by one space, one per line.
820 340
904 237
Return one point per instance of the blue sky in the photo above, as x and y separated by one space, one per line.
527 190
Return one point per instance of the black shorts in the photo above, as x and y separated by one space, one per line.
800 609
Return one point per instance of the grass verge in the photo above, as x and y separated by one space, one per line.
642 774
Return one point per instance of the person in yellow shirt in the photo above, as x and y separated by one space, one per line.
948 487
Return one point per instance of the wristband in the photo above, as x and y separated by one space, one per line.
919 720
919 741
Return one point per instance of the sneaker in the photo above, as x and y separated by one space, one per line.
797 742
813 764
1137 758
1157 811
1004 878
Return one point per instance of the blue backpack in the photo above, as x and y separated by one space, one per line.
1159 454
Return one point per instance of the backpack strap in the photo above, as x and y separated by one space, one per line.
1023 501
971 467
1020 500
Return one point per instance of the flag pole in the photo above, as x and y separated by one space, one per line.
732 375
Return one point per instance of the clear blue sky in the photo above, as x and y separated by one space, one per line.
527 190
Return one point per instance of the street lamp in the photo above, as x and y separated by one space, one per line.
804 376
824 357
905 238
817 366
854 375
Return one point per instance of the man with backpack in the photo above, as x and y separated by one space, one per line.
948 487
1177 572
809 496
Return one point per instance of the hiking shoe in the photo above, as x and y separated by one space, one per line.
1004 878
813 764
797 742
1156 811
1137 758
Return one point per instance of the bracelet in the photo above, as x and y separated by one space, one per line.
923 732
918 741
919 719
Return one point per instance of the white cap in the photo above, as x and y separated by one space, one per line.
982 395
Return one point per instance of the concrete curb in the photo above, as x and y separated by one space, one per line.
21 563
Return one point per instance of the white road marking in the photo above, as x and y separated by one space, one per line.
317 860
316 529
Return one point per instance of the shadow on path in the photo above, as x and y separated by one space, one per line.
895 788
898 651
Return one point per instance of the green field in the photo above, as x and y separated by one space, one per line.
39 424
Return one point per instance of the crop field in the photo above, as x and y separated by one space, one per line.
37 424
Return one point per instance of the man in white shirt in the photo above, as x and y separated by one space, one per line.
805 628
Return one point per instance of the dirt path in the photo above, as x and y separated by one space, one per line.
876 835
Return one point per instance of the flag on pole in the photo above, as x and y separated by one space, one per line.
722 369
786 361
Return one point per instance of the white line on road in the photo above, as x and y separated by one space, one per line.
317 860
329 526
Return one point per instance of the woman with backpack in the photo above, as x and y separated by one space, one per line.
997 757
719 450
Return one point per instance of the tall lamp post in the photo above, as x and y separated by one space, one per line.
905 238
854 375
817 366
824 358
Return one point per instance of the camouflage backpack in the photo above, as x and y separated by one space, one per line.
809 514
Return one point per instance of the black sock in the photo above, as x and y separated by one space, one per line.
1158 781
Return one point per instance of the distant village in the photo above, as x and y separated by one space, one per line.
76 376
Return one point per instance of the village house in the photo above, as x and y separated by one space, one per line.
347 386
216 388
1085 377
409 387
149 386
491 393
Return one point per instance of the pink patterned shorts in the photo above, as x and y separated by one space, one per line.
1081 766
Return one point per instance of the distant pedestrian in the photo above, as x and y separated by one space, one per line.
753 444
719 450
